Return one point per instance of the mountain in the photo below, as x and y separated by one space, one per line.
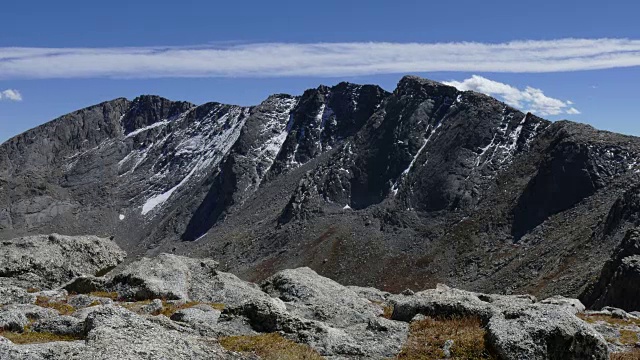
398 190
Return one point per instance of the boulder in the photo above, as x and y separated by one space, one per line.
61 325
48 261
83 301
115 333
15 295
311 296
574 306
175 277
517 326
194 316
543 332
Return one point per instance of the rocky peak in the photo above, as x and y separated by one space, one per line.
147 110
414 86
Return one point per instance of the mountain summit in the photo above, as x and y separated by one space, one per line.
399 190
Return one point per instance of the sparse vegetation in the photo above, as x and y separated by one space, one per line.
104 294
631 355
593 318
32 290
270 347
427 338
169 309
60 305
628 337
387 311
33 337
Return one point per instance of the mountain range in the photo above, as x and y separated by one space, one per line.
423 185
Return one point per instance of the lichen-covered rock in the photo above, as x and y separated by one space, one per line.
47 261
175 277
195 316
544 332
15 295
315 297
517 327
116 333
61 325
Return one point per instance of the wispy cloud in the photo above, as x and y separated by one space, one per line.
529 99
10 94
318 59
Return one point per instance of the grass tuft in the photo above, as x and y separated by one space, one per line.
270 347
387 311
593 318
32 337
628 337
104 294
169 309
427 338
631 355
61 306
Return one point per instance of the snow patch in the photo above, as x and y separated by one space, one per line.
121 217
149 127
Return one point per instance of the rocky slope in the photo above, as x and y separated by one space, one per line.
176 307
398 190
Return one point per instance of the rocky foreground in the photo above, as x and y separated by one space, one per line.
74 298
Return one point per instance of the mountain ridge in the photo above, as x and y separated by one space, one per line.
360 184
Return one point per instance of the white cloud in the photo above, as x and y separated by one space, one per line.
10 94
318 59
529 99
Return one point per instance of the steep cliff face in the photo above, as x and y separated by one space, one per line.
363 185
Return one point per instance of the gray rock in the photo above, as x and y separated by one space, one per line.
517 326
62 325
82 301
446 349
86 284
13 321
47 261
196 316
311 296
153 308
124 335
32 312
165 276
181 278
616 313
15 295
370 293
574 306
115 333
544 332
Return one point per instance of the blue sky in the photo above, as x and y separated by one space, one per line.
240 52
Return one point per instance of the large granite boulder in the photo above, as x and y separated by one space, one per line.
47 261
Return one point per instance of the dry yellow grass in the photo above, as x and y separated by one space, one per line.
270 347
104 294
628 337
169 309
61 306
32 337
427 338
631 355
387 311
608 319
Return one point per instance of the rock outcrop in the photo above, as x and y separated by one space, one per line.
47 261
184 308
618 282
